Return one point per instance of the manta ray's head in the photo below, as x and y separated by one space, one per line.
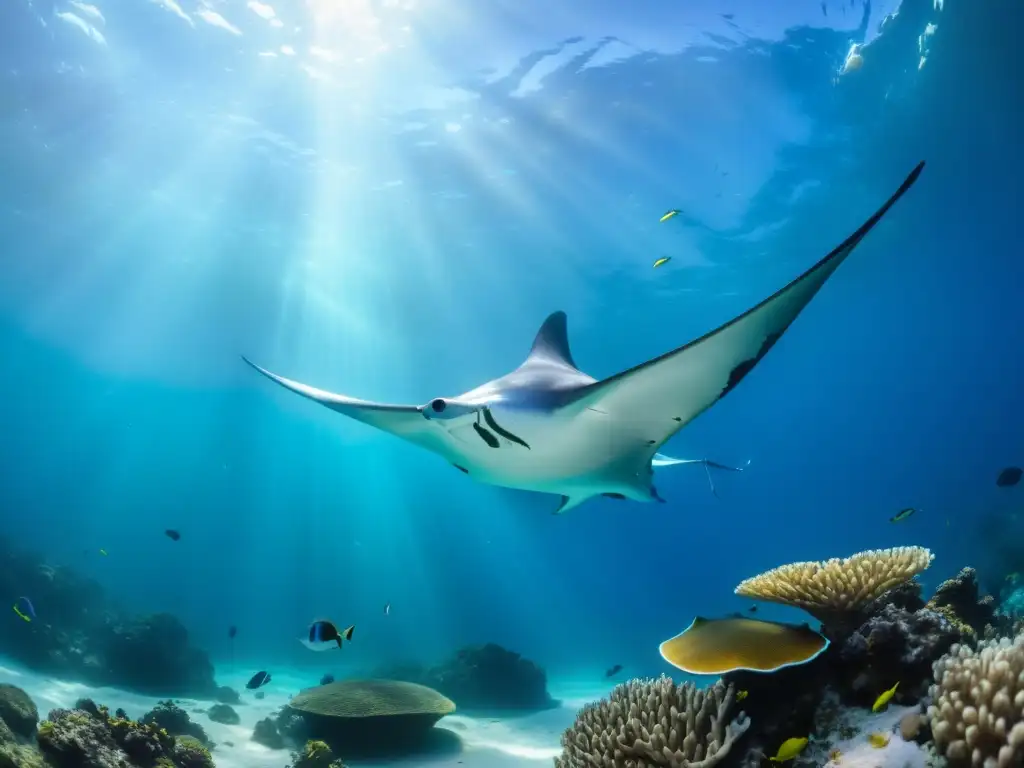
442 408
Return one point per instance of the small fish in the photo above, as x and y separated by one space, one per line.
789 749
172 534
259 694
232 631
903 514
878 740
1009 477
327 679
741 695
752 609
613 671
662 261
30 610
387 609
668 215
883 699
103 552
323 635
835 756
258 680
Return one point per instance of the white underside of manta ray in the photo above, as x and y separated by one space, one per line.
549 427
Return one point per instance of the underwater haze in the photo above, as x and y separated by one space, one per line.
386 199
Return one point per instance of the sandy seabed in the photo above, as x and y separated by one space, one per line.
473 742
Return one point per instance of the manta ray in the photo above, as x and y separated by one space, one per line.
549 427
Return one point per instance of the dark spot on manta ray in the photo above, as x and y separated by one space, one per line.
461 469
736 374
489 418
486 436
618 496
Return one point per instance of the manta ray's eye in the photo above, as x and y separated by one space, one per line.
438 406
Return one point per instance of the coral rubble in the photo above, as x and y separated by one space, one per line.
655 723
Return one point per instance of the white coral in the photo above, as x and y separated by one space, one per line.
649 723
977 717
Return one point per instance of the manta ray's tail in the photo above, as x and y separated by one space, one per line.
661 460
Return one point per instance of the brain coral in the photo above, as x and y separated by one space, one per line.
647 723
977 714
371 698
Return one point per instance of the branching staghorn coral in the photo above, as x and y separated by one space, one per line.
649 723
977 717
837 586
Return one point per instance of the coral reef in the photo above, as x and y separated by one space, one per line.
15 749
487 677
266 733
316 754
80 634
222 713
837 587
18 711
87 737
892 645
977 714
175 720
655 723
958 600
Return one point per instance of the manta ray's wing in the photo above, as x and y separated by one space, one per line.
664 394
402 420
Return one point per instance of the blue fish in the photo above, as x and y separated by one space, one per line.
323 635
24 608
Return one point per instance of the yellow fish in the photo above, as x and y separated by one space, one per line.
662 260
883 699
878 740
835 756
790 748
26 618
669 215
103 552
741 695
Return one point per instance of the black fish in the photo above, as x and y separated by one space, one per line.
613 671
327 679
232 631
172 534
752 609
903 514
1009 476
257 680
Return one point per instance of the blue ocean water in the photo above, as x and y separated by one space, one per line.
386 199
